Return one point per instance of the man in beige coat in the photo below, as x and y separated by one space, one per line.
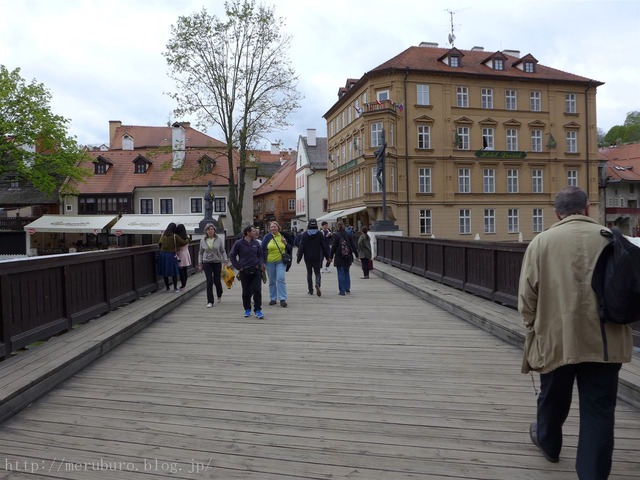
566 340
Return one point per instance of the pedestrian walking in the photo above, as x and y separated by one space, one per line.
167 266
313 249
326 233
184 256
566 340
274 248
246 257
211 256
364 251
342 251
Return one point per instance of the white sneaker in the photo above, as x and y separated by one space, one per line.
209 305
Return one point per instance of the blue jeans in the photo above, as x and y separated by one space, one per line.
277 285
344 279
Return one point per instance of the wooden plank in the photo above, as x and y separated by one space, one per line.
375 385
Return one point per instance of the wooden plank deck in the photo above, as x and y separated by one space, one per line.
375 385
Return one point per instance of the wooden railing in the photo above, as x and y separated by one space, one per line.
487 269
44 296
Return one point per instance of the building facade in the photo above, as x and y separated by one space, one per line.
621 188
477 143
311 185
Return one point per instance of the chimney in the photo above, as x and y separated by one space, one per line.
113 126
178 147
512 53
477 49
429 44
185 124
311 137
275 149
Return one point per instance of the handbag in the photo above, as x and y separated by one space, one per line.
371 264
286 258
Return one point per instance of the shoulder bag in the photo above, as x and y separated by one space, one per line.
286 258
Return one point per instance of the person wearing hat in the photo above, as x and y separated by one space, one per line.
313 248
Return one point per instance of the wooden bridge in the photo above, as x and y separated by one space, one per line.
378 385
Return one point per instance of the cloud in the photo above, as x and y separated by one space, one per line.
103 60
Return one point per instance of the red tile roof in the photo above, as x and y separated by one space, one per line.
151 137
427 59
283 180
623 163
120 177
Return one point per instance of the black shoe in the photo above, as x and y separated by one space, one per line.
272 302
283 303
310 292
318 290
533 433
348 291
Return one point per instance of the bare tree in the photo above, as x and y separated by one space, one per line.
234 74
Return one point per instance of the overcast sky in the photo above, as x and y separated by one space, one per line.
102 59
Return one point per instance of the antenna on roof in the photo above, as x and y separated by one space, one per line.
451 37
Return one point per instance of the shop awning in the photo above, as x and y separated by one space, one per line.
155 224
71 224
612 217
329 216
350 211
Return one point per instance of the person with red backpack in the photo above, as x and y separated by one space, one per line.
342 251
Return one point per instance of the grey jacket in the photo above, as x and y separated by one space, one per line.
217 254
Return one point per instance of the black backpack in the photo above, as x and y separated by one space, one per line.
616 280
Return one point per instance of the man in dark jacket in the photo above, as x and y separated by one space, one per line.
246 257
314 249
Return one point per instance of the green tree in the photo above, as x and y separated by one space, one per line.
234 74
34 143
633 118
627 133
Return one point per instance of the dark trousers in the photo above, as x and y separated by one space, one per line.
251 287
183 277
597 391
174 280
365 266
313 267
212 274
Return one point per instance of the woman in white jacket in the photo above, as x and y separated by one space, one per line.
211 256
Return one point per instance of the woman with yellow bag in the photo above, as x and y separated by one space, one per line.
211 256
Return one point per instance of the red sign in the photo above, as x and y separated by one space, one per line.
117 233
31 231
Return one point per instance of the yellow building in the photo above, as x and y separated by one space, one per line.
478 143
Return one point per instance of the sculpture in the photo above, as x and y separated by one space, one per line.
208 201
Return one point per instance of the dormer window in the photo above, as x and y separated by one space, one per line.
453 58
529 67
527 63
127 142
206 164
141 164
101 165
498 64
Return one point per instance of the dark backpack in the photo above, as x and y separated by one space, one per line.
345 249
616 280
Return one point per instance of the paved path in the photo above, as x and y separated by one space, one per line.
375 385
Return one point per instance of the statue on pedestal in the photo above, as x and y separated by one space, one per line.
209 196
